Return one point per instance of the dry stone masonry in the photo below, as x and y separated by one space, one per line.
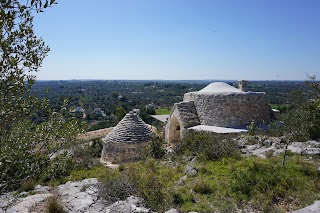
218 104
183 116
127 140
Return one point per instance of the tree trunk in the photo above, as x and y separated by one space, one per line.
284 154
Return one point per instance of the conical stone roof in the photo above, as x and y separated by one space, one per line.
131 129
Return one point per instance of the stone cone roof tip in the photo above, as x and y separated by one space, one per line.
219 87
131 129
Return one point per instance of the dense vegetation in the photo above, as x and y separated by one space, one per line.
26 146
103 103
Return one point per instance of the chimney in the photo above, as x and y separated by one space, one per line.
243 85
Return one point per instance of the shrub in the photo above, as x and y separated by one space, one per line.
202 187
266 184
121 167
88 154
155 148
299 124
208 146
252 128
116 187
27 185
177 198
18 164
26 147
151 189
59 167
96 147
294 125
314 119
152 181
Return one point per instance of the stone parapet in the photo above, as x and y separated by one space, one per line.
95 134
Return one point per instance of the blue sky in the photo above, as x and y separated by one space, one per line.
181 39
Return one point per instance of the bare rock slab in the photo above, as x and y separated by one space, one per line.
131 204
78 196
23 205
314 208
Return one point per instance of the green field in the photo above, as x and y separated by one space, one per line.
162 111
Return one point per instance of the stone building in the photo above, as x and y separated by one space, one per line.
127 140
218 107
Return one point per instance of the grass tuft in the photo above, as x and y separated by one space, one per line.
54 206
27 185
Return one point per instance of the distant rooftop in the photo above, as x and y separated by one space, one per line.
162 118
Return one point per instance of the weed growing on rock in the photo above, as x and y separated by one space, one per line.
27 185
54 206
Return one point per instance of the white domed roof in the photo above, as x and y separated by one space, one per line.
219 87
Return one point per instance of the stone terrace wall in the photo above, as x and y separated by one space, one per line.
230 109
101 133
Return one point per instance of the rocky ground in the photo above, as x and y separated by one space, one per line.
83 196
273 146
76 196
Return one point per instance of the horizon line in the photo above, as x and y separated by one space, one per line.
161 80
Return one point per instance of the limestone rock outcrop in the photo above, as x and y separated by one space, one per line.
75 196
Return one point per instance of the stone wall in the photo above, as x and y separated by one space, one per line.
183 116
122 152
95 134
230 109
127 141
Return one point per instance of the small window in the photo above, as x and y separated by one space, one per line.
178 128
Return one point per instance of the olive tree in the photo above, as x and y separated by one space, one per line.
25 147
302 121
